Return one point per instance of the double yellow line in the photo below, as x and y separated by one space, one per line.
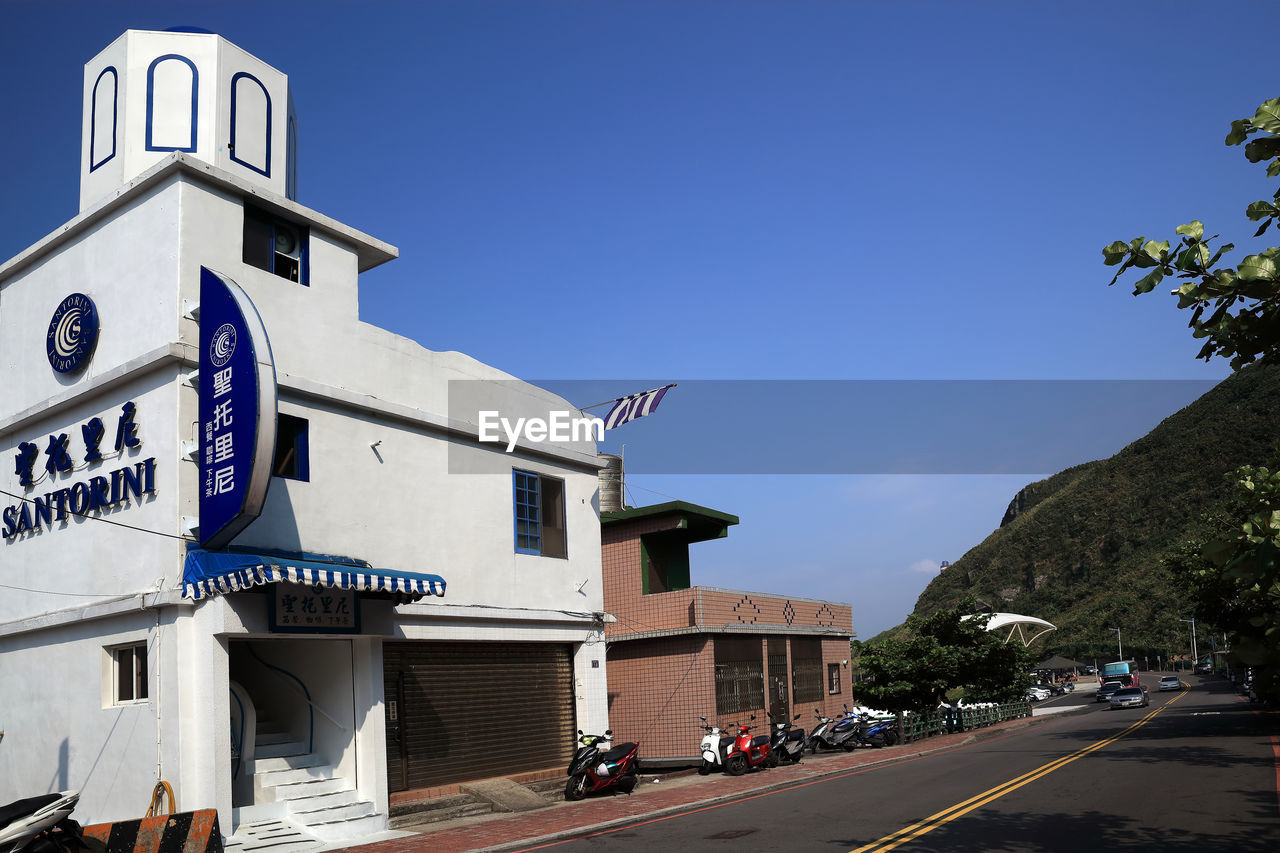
945 816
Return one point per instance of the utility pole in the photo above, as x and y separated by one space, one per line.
1118 643
1195 656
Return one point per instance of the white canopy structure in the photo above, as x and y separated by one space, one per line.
1019 626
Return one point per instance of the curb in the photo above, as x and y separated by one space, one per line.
986 733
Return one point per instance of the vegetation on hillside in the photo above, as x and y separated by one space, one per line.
1086 549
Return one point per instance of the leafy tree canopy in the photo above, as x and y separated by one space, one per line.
942 651
1235 309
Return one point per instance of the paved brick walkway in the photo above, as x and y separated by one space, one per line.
652 801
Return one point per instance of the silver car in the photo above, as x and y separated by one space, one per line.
1170 682
1129 697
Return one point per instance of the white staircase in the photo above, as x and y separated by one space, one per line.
300 804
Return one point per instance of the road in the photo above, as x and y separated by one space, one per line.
1195 771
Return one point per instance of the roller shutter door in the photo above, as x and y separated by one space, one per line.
466 711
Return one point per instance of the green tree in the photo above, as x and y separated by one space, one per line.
940 652
1232 576
1235 309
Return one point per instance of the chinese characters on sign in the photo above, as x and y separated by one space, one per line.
130 482
314 608
237 408
219 441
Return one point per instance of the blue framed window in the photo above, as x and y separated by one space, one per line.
277 246
539 514
292 459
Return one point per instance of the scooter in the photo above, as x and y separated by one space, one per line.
715 747
820 737
43 823
843 733
748 752
788 740
594 770
876 733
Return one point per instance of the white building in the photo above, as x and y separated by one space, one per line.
242 690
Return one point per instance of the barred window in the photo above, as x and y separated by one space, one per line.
739 686
833 678
739 674
806 669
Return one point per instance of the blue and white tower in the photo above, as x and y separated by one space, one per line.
152 93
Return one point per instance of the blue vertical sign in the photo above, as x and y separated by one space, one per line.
237 391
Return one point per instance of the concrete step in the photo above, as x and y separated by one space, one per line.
275 836
350 830
270 764
307 816
263 738
309 788
286 775
409 815
279 750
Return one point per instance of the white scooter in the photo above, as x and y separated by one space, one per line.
40 824
715 748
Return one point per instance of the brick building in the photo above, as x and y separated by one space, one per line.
678 652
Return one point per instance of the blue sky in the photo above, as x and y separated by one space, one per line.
709 190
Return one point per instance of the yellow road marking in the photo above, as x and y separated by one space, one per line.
947 815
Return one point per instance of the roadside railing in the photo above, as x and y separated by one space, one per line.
923 724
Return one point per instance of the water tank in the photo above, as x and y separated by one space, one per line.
611 483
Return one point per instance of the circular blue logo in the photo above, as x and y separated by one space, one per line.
73 333
223 345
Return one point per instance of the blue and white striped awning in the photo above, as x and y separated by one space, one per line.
220 572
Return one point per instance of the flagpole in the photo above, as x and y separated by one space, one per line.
614 400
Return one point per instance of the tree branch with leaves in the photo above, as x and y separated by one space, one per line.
1236 310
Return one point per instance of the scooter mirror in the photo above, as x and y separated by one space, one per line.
608 731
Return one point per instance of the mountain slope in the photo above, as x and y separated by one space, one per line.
1082 548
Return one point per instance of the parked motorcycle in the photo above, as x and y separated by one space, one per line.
844 732
788 740
43 824
715 747
748 752
820 737
874 732
598 765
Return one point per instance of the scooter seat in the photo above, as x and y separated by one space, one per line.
618 752
26 806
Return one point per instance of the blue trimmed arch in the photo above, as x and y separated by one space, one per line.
94 162
235 100
151 92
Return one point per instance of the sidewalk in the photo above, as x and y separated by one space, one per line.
668 795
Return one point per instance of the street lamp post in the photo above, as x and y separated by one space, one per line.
1195 656
1118 643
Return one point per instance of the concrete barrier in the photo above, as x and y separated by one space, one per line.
183 832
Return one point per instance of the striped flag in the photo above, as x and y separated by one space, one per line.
626 409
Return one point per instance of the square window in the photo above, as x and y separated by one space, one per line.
128 673
291 460
277 246
539 514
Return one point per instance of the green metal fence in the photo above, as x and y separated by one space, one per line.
917 726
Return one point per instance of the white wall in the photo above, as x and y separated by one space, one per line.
59 734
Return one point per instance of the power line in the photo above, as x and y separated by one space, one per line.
85 515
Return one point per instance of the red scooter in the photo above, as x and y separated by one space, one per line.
748 752
598 765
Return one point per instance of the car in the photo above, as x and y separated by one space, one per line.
1204 669
1129 697
1036 694
1105 691
1170 682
